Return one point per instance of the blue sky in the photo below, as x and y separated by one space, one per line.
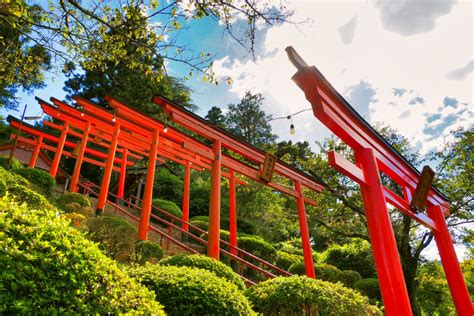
408 64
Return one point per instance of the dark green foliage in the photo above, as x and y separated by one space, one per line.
299 295
369 287
16 164
40 178
115 235
349 277
243 226
202 218
49 268
19 188
286 260
72 197
168 186
216 117
192 291
206 263
258 247
356 255
146 250
167 206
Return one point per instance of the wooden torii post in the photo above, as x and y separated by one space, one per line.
374 155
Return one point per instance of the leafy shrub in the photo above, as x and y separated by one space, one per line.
324 272
115 235
168 186
349 277
369 287
202 218
167 206
192 291
146 250
72 197
200 224
292 246
40 178
356 256
206 263
284 260
50 268
433 294
75 219
75 207
19 188
244 226
298 295
257 247
16 164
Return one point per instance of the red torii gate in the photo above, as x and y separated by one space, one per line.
128 131
374 154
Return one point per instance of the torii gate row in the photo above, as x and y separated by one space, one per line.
137 133
373 154
219 161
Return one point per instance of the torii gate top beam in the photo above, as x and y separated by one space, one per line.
337 114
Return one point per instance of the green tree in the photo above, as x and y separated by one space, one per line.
22 60
216 117
249 122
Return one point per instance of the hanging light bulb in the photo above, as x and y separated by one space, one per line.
82 114
165 129
292 129
114 119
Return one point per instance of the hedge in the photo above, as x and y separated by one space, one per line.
206 263
43 181
146 250
18 187
324 272
72 197
49 267
349 277
369 287
298 295
192 291
199 224
258 247
356 255
284 260
167 206
16 164
202 218
115 235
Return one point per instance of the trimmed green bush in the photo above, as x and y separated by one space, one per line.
75 207
206 263
20 191
167 206
146 250
192 291
199 224
115 235
369 287
44 182
16 164
258 247
49 267
324 272
202 218
356 256
349 277
284 260
299 295
72 197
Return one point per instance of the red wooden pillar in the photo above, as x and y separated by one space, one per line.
59 150
452 269
80 157
123 173
232 214
104 188
387 260
213 246
34 155
186 190
148 194
305 241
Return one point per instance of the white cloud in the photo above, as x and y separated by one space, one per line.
381 58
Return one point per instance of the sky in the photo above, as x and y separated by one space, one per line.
405 63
